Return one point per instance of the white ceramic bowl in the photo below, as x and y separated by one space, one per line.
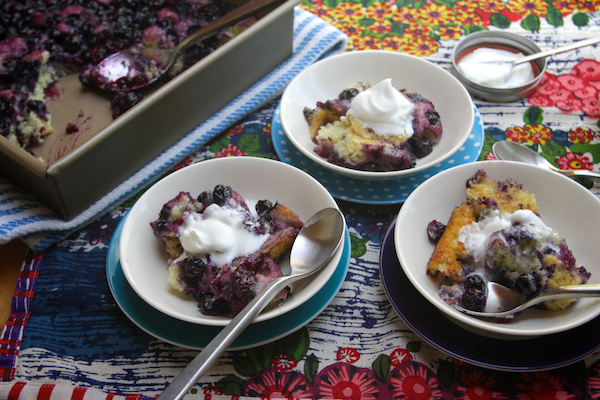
565 205
325 79
144 259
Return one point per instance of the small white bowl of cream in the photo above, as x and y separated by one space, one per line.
477 62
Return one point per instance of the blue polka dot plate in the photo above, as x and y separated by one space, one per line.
372 192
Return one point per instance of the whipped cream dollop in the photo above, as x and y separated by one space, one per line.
384 109
221 232
480 67
475 236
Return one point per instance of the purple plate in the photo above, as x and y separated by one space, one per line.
424 319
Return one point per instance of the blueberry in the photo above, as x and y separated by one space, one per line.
475 281
263 207
205 198
348 94
474 299
435 230
221 193
526 284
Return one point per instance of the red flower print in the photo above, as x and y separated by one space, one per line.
565 7
400 356
414 380
571 82
539 134
348 354
230 151
275 384
570 104
539 100
477 383
562 94
545 385
575 161
366 43
586 92
588 6
342 381
490 156
391 43
234 130
581 135
283 362
588 69
405 15
590 107
381 27
592 380
549 85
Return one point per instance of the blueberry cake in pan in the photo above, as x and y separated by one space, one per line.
219 252
42 40
344 140
497 235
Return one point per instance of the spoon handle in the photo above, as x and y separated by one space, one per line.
580 173
182 383
558 50
563 292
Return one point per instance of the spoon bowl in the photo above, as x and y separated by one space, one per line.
505 303
139 66
512 151
314 246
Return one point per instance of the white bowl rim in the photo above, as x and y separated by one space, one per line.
498 329
458 90
308 288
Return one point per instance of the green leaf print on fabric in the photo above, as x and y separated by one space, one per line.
381 367
231 385
358 245
414 346
311 367
582 148
533 116
219 145
531 23
580 19
554 17
249 143
499 21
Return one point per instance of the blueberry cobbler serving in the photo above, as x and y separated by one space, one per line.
376 128
497 235
219 252
42 40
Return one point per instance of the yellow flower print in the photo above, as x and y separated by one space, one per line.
588 6
463 18
565 7
528 7
466 6
366 43
581 135
435 14
392 43
323 12
380 11
450 32
417 30
518 134
352 29
348 12
421 46
492 6
539 134
381 27
406 15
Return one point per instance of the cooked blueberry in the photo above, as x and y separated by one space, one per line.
433 117
263 207
435 230
526 284
221 193
474 299
420 147
348 94
205 198
475 281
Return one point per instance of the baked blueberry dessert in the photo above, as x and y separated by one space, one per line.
375 128
41 40
497 235
220 252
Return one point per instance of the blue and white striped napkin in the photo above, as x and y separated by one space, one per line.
23 216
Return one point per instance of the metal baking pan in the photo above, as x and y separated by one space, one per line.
69 172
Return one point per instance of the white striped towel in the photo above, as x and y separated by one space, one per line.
22 216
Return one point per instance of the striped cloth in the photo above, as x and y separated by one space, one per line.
23 216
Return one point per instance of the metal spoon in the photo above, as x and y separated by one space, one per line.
508 66
138 67
511 151
314 246
503 302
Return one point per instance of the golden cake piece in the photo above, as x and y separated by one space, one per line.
497 235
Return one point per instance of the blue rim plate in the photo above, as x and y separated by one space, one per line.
194 336
427 321
372 192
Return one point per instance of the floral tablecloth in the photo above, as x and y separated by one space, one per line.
76 343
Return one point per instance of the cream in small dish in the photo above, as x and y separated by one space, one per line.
327 78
